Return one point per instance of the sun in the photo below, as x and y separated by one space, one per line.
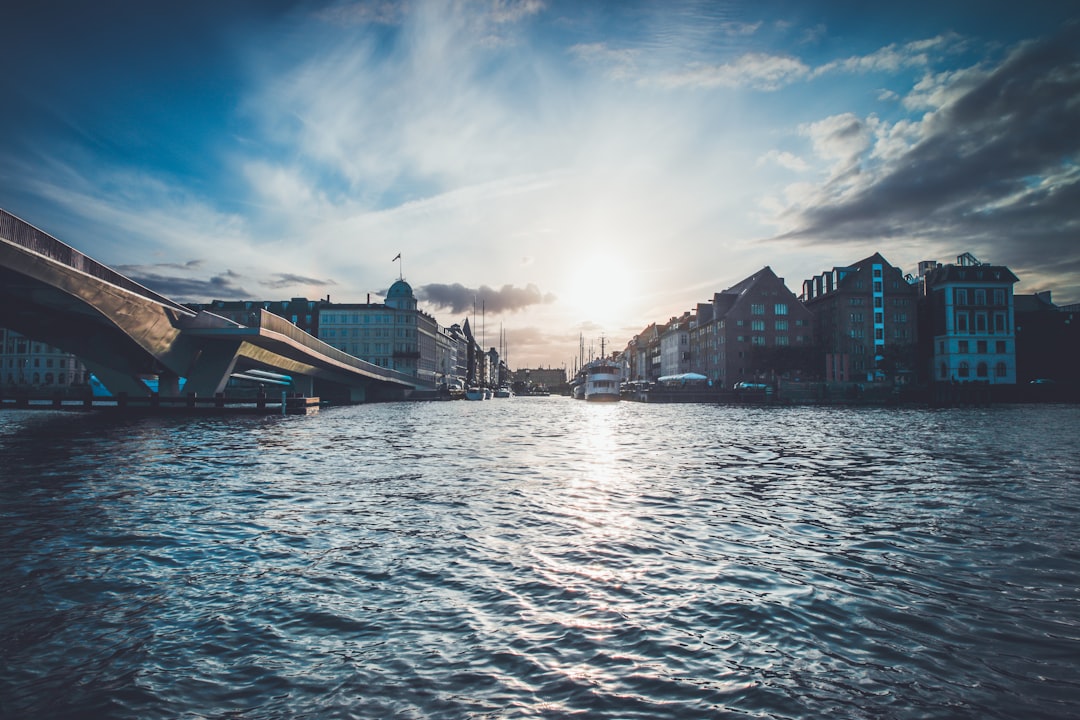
599 289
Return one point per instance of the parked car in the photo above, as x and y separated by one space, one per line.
753 387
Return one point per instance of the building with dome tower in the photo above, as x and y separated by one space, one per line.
393 334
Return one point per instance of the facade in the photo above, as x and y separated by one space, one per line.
301 312
748 331
545 378
643 355
675 345
967 321
1047 339
864 319
394 335
27 364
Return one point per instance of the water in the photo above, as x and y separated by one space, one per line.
540 557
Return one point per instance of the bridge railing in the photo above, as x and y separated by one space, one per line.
274 323
26 235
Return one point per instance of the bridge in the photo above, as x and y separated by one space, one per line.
124 332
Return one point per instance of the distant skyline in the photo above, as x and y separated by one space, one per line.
577 168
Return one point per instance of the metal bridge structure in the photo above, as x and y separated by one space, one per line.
124 332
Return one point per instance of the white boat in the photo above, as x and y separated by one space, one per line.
504 392
601 380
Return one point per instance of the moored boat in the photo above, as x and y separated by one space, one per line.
601 381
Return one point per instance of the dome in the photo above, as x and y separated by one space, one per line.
399 289
400 296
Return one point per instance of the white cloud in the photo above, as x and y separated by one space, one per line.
784 159
760 71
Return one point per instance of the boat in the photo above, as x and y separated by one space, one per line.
503 391
474 393
601 380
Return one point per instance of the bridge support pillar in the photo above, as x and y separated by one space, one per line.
211 368
117 381
168 384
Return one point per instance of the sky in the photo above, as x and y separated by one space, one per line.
570 169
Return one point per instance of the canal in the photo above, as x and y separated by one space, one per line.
541 557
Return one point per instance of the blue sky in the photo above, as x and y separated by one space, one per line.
577 167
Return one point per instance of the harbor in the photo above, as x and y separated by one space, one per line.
541 557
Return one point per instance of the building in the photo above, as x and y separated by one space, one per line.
28 365
301 312
394 334
966 322
539 378
1047 339
675 345
864 319
755 330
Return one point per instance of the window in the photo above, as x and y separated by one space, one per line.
899 317
1000 347
980 297
961 322
999 370
781 325
980 322
857 301
781 339
756 309
963 346
961 296
999 297
965 370
758 340
856 317
944 371
999 323
879 318
780 309
877 287
877 272
757 325
879 334
878 302
981 370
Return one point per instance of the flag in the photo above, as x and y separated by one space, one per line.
397 258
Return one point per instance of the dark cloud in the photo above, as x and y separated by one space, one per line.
284 280
181 289
995 170
457 298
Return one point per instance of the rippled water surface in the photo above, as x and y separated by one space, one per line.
540 557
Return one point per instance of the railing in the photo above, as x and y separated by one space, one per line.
274 323
26 235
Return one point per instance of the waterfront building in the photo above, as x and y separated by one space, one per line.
393 334
864 318
301 312
966 321
539 378
750 332
1047 339
675 345
27 364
